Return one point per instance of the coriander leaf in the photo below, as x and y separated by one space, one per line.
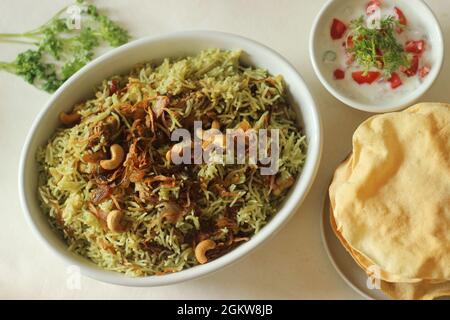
58 25
377 48
73 65
28 65
51 44
87 39
111 32
52 83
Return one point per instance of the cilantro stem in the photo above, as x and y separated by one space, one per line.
19 41
19 35
37 31
7 66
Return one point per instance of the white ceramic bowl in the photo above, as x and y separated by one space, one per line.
122 59
416 10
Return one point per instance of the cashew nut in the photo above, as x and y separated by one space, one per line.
245 125
177 148
169 155
202 248
114 221
117 156
69 119
282 184
111 121
171 212
215 124
218 140
211 136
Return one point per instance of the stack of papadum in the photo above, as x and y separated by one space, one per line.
390 201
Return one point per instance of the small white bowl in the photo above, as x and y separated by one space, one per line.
121 60
415 10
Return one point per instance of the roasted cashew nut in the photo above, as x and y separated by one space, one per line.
114 221
211 136
215 124
281 185
177 148
111 121
171 212
169 155
202 248
245 125
69 119
117 156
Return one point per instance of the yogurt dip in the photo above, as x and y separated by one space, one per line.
345 70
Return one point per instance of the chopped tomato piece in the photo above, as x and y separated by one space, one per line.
401 18
413 68
349 42
368 78
338 29
424 71
395 80
339 74
415 46
373 6
113 87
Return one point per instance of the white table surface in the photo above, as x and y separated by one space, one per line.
293 264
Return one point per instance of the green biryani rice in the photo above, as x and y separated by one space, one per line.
167 209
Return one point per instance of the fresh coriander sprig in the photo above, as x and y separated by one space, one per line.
378 48
61 51
30 66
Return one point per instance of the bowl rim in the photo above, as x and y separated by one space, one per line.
293 201
403 102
